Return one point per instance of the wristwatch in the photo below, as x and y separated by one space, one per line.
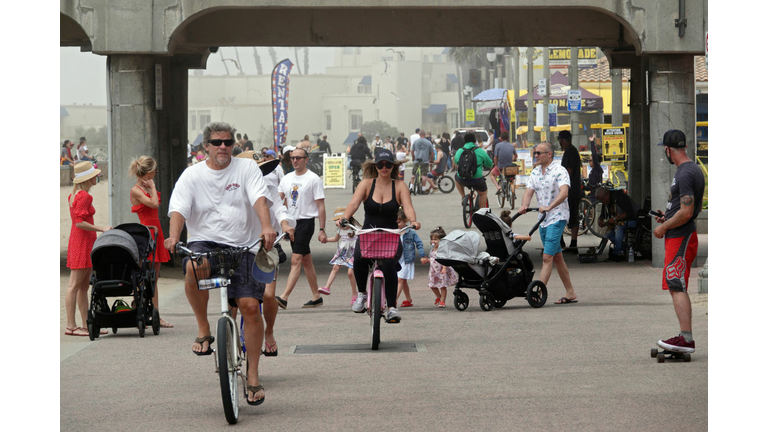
322 229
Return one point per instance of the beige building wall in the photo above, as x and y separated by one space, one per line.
88 116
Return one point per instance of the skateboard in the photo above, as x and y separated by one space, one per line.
662 355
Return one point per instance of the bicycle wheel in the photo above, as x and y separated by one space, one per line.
584 215
376 314
227 356
502 197
595 212
446 184
466 210
511 194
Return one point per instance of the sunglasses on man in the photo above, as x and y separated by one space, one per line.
539 153
296 158
219 142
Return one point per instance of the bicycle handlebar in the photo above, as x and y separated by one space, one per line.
183 251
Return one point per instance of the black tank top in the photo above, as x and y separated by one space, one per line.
380 215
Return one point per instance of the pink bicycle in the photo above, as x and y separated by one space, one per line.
377 244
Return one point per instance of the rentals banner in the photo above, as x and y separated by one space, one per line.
280 102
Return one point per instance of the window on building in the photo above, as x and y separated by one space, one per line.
453 119
355 120
205 118
437 58
348 51
327 120
364 89
426 59
192 120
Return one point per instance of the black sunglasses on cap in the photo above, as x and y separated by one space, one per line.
219 142
384 164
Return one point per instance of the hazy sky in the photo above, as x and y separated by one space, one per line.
83 75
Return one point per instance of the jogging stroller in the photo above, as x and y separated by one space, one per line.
123 265
504 271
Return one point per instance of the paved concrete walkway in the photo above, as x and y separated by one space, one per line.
584 366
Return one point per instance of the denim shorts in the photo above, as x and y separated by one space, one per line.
243 284
550 237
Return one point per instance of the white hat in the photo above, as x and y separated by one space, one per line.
288 148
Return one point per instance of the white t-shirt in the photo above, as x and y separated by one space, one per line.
413 139
300 193
82 152
218 204
275 177
278 212
400 156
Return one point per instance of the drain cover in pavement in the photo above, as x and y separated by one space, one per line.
356 348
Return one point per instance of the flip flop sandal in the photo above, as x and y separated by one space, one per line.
70 331
167 325
255 389
270 353
565 300
210 339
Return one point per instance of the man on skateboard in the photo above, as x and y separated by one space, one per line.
679 232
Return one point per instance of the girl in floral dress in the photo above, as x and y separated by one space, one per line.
344 254
440 276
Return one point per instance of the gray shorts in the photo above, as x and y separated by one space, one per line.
243 285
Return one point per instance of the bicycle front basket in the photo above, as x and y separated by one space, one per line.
379 245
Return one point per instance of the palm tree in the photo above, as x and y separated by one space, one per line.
296 53
306 60
465 56
273 56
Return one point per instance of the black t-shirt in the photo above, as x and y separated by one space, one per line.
360 151
572 160
688 181
456 143
324 146
402 140
620 203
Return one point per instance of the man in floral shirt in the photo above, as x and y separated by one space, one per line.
551 183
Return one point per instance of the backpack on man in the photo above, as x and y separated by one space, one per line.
467 166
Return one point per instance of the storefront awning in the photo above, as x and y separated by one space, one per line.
366 80
436 109
351 138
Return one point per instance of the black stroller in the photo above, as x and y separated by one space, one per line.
123 265
504 271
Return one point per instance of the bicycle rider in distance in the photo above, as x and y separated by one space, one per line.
382 194
477 181
504 155
359 153
223 203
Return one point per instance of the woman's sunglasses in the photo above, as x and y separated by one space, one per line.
384 164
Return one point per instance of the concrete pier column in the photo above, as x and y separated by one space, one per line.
638 169
133 126
672 106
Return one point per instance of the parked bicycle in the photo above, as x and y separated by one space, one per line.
377 244
212 270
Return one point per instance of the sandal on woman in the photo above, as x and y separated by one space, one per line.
255 389
70 331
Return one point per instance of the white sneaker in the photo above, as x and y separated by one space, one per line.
359 306
393 316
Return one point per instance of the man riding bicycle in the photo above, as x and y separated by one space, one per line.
474 180
504 155
422 152
359 153
223 203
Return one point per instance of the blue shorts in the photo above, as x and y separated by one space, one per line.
243 284
550 237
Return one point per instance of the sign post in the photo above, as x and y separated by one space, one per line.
334 170
574 100
615 144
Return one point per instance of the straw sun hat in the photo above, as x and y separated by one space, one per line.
266 166
85 171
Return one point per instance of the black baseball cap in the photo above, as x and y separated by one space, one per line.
673 138
384 155
564 134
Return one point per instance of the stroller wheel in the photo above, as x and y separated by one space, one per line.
142 327
155 321
486 301
536 294
498 304
460 300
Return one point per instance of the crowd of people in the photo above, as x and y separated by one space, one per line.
229 201
70 155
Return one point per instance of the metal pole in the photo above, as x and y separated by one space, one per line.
546 95
517 86
573 80
531 115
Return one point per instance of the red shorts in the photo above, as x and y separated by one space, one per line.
495 171
679 254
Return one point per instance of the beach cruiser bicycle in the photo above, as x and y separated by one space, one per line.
377 244
470 204
507 185
212 270
417 188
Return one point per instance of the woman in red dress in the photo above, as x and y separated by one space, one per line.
81 239
145 200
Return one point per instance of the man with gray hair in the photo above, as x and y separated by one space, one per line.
551 182
223 203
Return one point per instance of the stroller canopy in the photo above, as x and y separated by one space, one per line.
461 246
112 241
496 232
